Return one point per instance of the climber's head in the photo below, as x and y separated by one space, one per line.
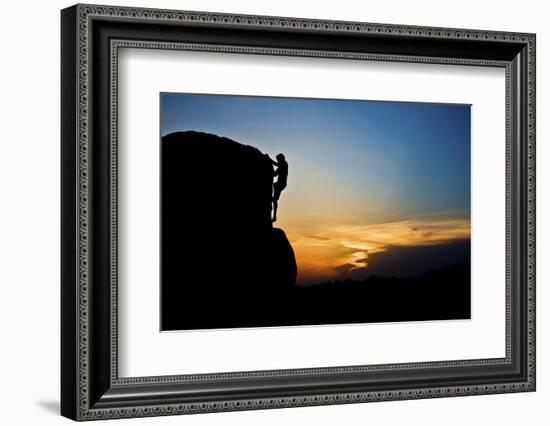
280 157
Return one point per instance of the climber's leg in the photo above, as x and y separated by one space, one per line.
276 195
275 205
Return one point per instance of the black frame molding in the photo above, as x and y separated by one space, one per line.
90 38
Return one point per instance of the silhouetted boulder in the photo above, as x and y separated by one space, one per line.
282 261
218 243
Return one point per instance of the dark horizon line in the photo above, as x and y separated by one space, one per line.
386 277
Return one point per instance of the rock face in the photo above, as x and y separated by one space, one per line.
219 248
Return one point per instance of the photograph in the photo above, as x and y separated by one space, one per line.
282 211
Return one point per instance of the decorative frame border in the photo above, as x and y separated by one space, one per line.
85 14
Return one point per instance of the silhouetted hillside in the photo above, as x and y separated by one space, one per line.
436 295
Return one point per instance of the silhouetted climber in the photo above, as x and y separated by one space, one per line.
280 184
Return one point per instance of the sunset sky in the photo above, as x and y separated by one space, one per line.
368 181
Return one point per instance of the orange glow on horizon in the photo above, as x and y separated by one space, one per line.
320 254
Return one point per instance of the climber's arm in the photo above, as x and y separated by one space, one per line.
270 159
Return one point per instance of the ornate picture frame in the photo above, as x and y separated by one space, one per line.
91 37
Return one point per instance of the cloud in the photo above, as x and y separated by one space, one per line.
355 249
350 271
415 260
408 261
363 261
345 268
317 237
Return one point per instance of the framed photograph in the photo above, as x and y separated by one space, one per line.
263 212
